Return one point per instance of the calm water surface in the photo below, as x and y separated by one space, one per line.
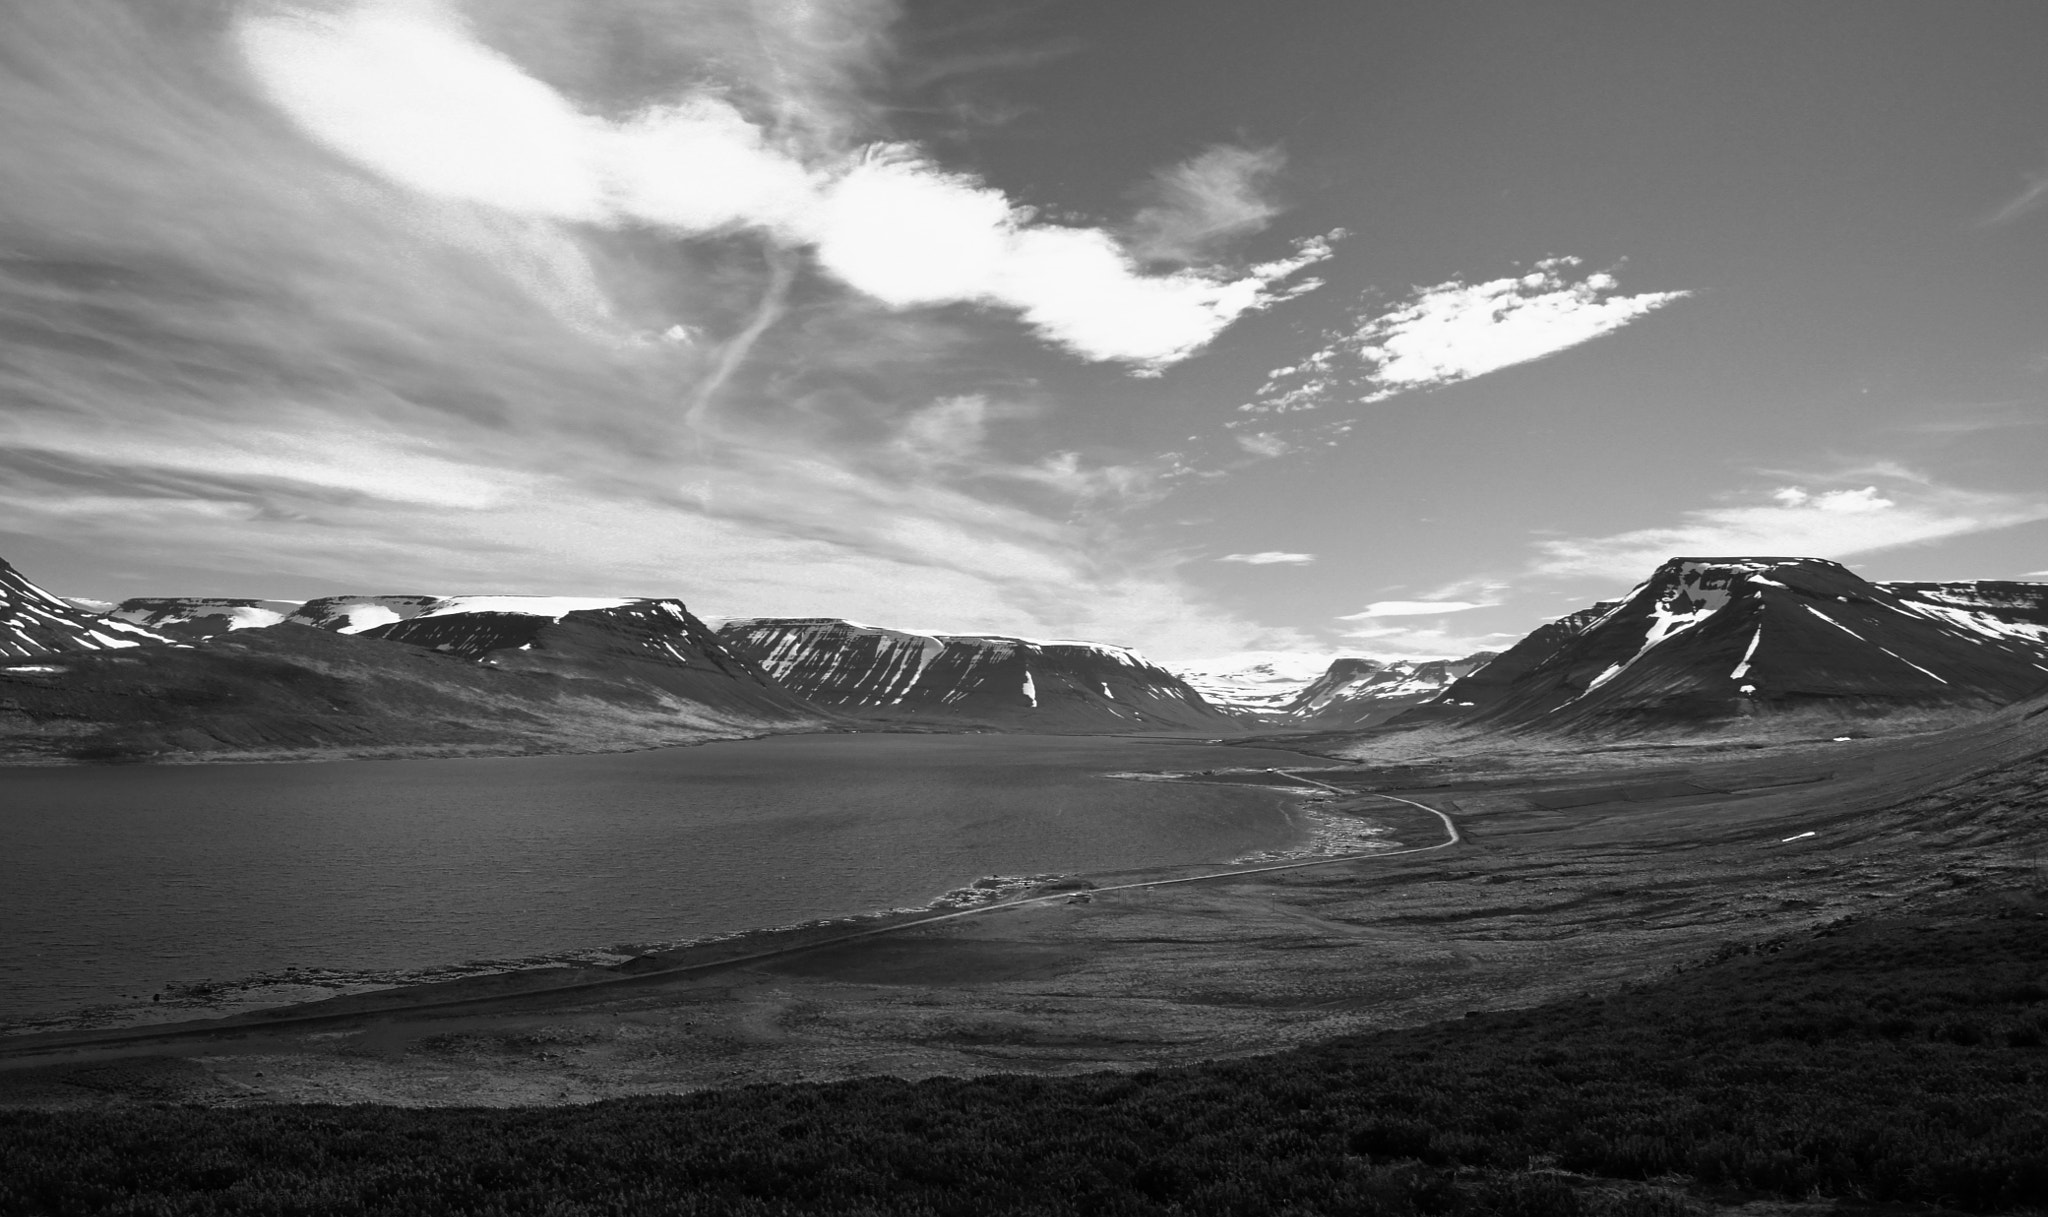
116 881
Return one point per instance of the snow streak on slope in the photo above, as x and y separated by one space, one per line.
354 614
34 623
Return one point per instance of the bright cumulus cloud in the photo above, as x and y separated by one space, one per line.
1412 608
1270 557
1795 522
1455 331
401 87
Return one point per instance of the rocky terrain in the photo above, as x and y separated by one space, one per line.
947 679
1708 640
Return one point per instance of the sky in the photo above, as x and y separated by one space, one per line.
1226 330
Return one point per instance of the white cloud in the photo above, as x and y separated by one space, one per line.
1414 608
403 88
1455 331
1270 557
1795 522
1219 194
1422 642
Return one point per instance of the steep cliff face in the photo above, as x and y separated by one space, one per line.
651 641
1366 692
1709 638
34 624
192 617
966 679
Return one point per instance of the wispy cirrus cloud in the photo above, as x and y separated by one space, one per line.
308 356
1455 331
1270 557
1222 193
1795 521
405 89
2029 199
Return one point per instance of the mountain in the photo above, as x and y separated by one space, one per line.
652 641
972 679
1366 692
35 624
201 616
1346 693
470 675
354 614
1715 638
1259 690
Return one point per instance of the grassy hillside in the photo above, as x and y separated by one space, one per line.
1871 1063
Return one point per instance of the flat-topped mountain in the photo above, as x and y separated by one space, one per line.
354 614
34 623
201 616
1712 638
990 679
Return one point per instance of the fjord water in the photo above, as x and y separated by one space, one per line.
115 881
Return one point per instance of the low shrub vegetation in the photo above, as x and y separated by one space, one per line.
1888 1063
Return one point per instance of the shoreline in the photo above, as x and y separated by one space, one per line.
1327 835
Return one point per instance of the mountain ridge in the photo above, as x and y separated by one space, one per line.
1723 637
971 678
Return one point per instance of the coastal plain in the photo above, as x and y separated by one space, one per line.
1575 870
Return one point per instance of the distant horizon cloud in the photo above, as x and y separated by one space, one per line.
1795 522
1415 608
405 89
1401 641
1455 331
1270 557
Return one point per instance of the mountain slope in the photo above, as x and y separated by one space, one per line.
1710 638
34 624
1365 692
651 641
992 680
